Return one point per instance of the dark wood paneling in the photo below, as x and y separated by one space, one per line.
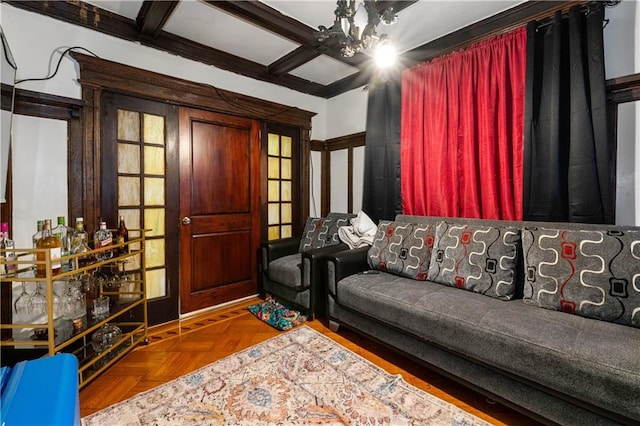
220 259
222 165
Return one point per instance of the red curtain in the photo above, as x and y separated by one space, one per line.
462 129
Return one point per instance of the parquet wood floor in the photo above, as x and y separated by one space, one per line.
178 348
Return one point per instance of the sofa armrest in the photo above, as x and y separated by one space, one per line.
272 250
342 264
314 273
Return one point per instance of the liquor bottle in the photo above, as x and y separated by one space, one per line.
103 238
80 243
54 245
8 245
3 258
64 233
38 234
123 236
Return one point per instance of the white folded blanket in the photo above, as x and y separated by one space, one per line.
360 233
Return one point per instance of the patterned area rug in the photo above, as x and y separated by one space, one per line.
298 378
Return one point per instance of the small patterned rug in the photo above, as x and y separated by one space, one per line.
298 378
277 315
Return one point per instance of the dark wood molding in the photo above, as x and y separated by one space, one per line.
345 142
623 89
316 145
37 104
350 179
325 183
148 84
153 15
148 31
97 19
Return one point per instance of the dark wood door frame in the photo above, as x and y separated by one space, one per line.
98 75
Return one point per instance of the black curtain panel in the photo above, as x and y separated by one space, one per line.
567 165
381 197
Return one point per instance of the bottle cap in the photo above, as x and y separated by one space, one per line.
79 219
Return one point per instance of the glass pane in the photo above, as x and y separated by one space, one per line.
128 191
128 125
153 191
274 168
274 233
132 219
154 129
153 160
128 158
154 252
274 214
156 283
154 220
286 191
274 144
133 262
286 213
286 169
286 231
286 146
274 190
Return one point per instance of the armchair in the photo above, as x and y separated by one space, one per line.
293 268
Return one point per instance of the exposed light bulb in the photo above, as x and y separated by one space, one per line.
385 55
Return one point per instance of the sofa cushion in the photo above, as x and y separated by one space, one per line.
287 270
402 248
591 273
477 258
319 232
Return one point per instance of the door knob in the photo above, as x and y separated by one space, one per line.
186 220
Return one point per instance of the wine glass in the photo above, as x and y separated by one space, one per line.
21 305
38 301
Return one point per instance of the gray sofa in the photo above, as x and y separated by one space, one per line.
500 322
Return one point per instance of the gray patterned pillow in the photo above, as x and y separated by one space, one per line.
402 248
477 258
319 232
594 274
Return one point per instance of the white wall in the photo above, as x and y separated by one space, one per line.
622 57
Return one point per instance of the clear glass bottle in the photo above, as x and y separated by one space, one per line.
54 245
123 236
8 244
80 243
38 234
103 238
64 233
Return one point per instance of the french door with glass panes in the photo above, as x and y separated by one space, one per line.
281 149
139 172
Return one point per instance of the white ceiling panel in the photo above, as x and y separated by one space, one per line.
212 27
126 8
324 70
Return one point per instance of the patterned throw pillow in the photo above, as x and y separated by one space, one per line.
319 232
594 274
402 248
477 258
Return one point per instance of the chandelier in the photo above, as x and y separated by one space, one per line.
349 21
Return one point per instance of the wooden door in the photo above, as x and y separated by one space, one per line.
219 208
139 178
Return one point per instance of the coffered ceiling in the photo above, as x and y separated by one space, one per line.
275 40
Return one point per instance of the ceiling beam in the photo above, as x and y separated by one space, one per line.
98 19
152 16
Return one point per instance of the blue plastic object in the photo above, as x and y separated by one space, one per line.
43 391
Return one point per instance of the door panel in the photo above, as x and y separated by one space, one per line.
139 178
219 207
